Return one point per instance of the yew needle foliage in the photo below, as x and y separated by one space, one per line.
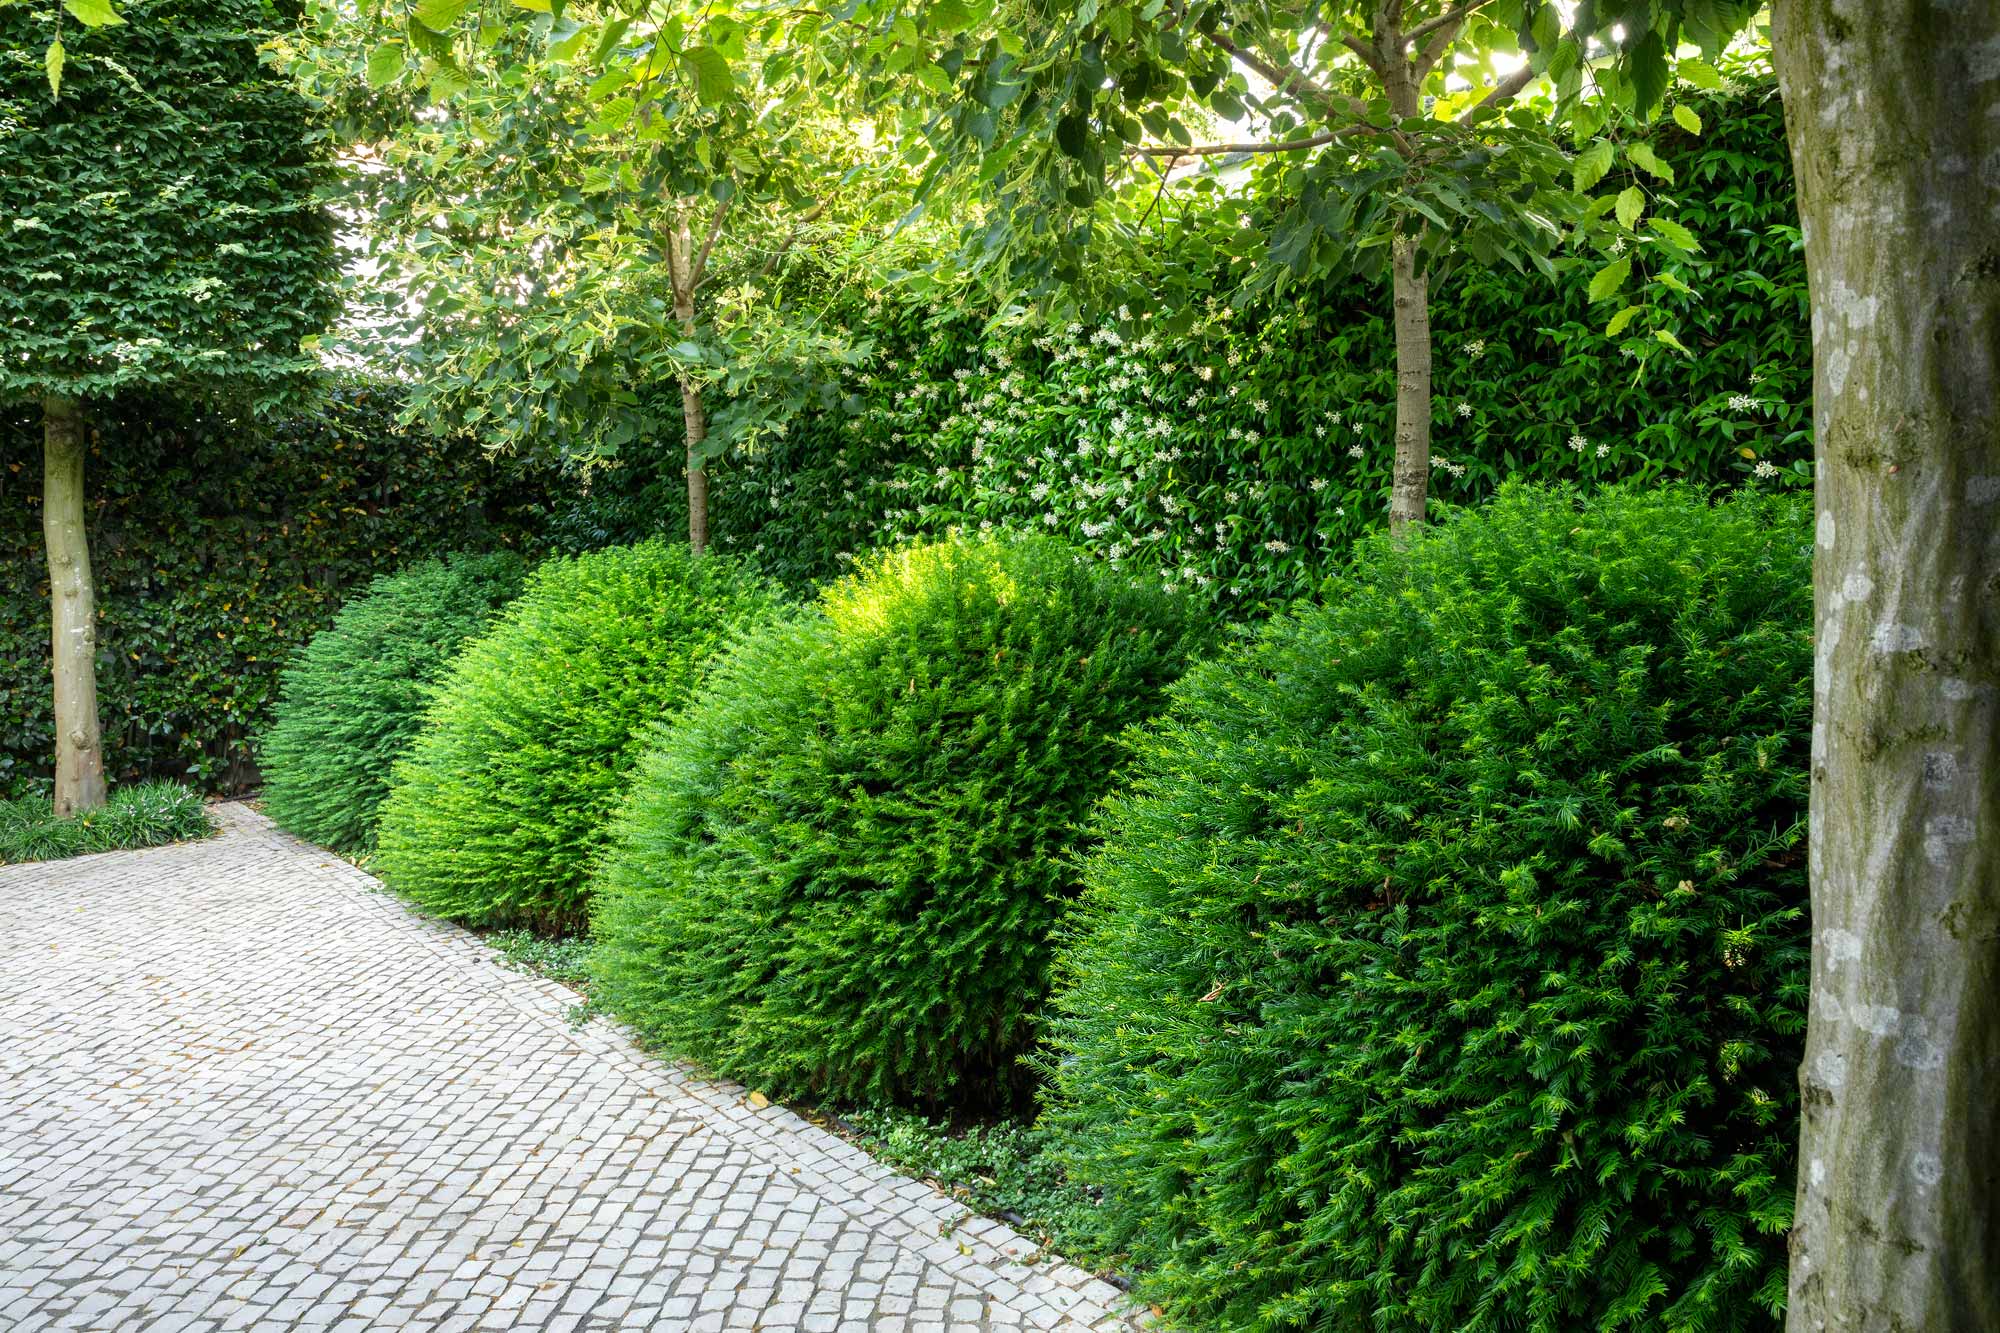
839 873
352 701
499 812
1445 963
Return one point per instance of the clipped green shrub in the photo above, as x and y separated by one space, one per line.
1445 963
498 813
353 699
839 871
147 814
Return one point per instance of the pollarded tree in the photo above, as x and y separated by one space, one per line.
159 184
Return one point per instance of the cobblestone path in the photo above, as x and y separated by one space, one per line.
243 1088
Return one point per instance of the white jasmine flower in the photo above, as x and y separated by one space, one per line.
1465 409
1578 444
1765 468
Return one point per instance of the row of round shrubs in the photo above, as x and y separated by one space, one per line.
1437 960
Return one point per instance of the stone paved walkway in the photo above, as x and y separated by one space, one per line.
243 1088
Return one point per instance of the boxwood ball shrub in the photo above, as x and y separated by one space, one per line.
838 873
1444 964
499 811
353 698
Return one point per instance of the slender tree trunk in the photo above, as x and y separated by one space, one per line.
1893 111
72 612
684 265
695 427
1411 479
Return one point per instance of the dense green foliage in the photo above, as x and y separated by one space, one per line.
1445 964
497 814
221 546
150 814
353 699
1242 457
1001 1168
838 872
165 228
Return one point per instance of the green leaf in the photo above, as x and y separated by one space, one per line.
949 16
1631 203
1604 284
1666 336
385 65
1674 234
1621 319
1685 117
1672 283
1700 73
93 13
53 63
1647 160
440 15
713 82
1591 165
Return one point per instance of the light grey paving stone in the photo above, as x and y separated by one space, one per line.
242 1087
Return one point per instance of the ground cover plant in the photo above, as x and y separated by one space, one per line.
353 699
1445 962
149 814
838 871
497 814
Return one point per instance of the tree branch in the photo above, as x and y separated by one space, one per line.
1505 90
1451 17
1287 146
698 271
805 219
1285 80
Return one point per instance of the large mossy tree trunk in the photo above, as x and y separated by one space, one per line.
79 756
1893 111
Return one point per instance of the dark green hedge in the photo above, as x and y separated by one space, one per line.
838 872
220 546
500 809
1445 963
352 700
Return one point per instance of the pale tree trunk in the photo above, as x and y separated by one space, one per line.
1410 479
1893 110
685 272
1410 482
72 612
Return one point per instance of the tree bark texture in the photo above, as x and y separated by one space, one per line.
1893 112
1410 482
684 265
1410 478
79 782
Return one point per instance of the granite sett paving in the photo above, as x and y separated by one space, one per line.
243 1088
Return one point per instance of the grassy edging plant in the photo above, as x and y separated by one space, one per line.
149 814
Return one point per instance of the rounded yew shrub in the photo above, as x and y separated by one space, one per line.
351 701
839 872
499 811
1444 965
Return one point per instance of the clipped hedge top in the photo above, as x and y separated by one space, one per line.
499 811
353 699
1445 965
839 871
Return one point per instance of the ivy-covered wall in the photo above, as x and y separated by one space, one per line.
219 546
1243 459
